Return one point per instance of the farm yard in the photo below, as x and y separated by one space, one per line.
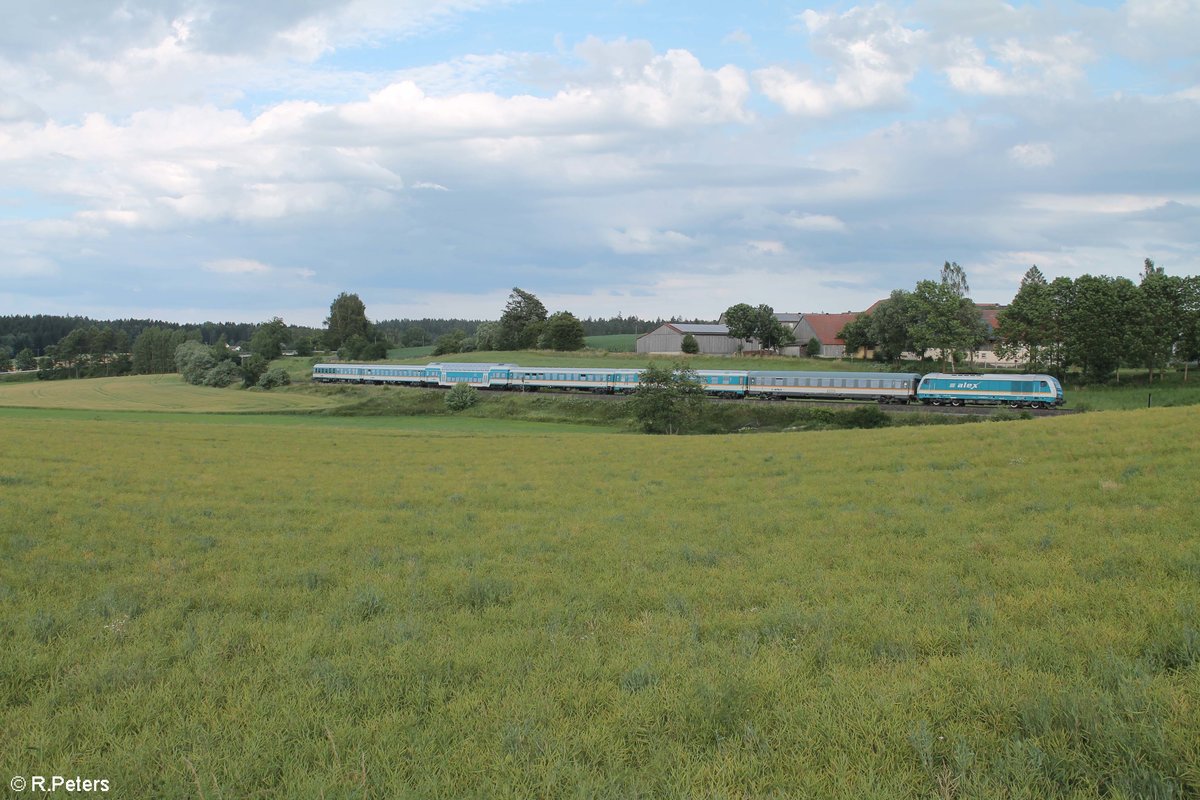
200 605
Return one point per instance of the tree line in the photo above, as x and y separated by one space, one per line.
39 331
1100 324
1094 323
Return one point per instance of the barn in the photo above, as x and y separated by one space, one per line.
825 329
713 339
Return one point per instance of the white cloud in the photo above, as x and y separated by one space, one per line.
815 222
1103 203
237 266
874 58
1055 66
768 246
644 241
1032 154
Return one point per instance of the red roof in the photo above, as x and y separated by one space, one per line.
990 312
828 326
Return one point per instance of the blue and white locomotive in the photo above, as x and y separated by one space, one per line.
1035 391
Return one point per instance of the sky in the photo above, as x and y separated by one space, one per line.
194 160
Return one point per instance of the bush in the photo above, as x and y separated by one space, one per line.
277 376
461 396
223 374
253 369
194 360
690 345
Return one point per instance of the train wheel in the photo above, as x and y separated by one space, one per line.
957 403
1014 404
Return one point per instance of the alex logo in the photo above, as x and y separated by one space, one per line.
965 386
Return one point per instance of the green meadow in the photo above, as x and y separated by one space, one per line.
154 393
216 606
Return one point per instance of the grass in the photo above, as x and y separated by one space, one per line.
404 354
306 609
613 342
1134 391
151 393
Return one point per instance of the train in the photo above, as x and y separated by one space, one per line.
1016 391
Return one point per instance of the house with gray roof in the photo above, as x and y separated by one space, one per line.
714 340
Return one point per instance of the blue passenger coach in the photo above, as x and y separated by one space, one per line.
1032 391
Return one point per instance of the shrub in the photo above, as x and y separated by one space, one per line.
461 396
690 345
194 360
253 369
223 374
277 376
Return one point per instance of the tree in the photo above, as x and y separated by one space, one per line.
812 348
1095 328
892 327
521 322
193 361
1157 318
414 336
759 323
856 334
74 349
1029 326
487 336
347 317
1189 343
668 398
451 342
225 373
741 321
252 370
944 318
267 341
770 332
304 346
276 376
154 350
955 278
25 359
562 331
689 345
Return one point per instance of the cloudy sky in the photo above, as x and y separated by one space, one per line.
224 159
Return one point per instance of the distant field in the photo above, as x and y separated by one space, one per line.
307 610
614 342
151 393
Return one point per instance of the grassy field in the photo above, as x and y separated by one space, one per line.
613 342
306 610
151 393
419 354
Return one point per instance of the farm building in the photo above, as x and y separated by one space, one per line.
825 329
714 340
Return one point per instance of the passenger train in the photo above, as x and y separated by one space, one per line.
1031 391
